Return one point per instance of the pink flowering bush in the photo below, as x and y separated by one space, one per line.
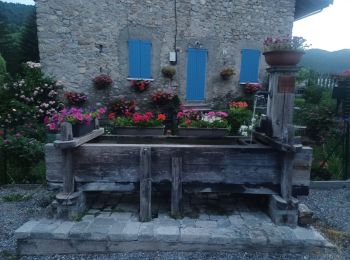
74 116
28 99
202 120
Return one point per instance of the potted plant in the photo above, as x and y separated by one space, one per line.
195 123
75 98
227 73
168 72
140 85
83 122
102 81
284 51
165 99
121 107
138 124
238 115
251 88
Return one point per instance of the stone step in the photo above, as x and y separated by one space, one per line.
122 232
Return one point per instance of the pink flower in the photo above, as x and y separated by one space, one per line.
52 126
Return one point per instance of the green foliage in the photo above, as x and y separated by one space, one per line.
122 121
316 114
238 116
15 14
312 95
29 40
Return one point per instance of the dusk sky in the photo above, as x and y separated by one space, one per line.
326 30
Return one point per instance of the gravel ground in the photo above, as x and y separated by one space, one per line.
20 203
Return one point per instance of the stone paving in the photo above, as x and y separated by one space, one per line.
213 223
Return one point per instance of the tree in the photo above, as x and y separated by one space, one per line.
8 47
29 41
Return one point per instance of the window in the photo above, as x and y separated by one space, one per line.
250 66
139 59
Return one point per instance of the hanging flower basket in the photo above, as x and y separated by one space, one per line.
140 85
283 57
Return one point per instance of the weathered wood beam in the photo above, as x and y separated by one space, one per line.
176 186
76 142
145 185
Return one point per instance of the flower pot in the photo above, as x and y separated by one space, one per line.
133 130
202 132
283 57
83 129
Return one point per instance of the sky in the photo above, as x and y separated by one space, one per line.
326 30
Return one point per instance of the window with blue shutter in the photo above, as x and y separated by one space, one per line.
140 53
250 66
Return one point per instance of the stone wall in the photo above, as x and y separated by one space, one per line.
72 31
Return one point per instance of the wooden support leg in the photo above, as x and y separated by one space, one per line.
176 186
286 178
145 185
68 178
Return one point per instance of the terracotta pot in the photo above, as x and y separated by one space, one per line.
283 58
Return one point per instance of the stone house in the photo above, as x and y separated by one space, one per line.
134 39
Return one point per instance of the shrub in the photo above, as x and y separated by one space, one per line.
312 95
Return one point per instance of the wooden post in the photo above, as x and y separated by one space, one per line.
68 178
145 185
176 186
281 101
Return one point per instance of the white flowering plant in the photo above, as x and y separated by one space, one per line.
29 98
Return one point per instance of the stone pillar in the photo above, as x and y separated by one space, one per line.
281 101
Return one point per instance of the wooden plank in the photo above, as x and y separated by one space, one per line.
284 147
176 186
76 142
68 177
116 163
145 185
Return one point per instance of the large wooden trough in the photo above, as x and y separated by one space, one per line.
124 163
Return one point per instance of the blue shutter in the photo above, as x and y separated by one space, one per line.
250 66
196 74
191 74
201 72
145 59
134 58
